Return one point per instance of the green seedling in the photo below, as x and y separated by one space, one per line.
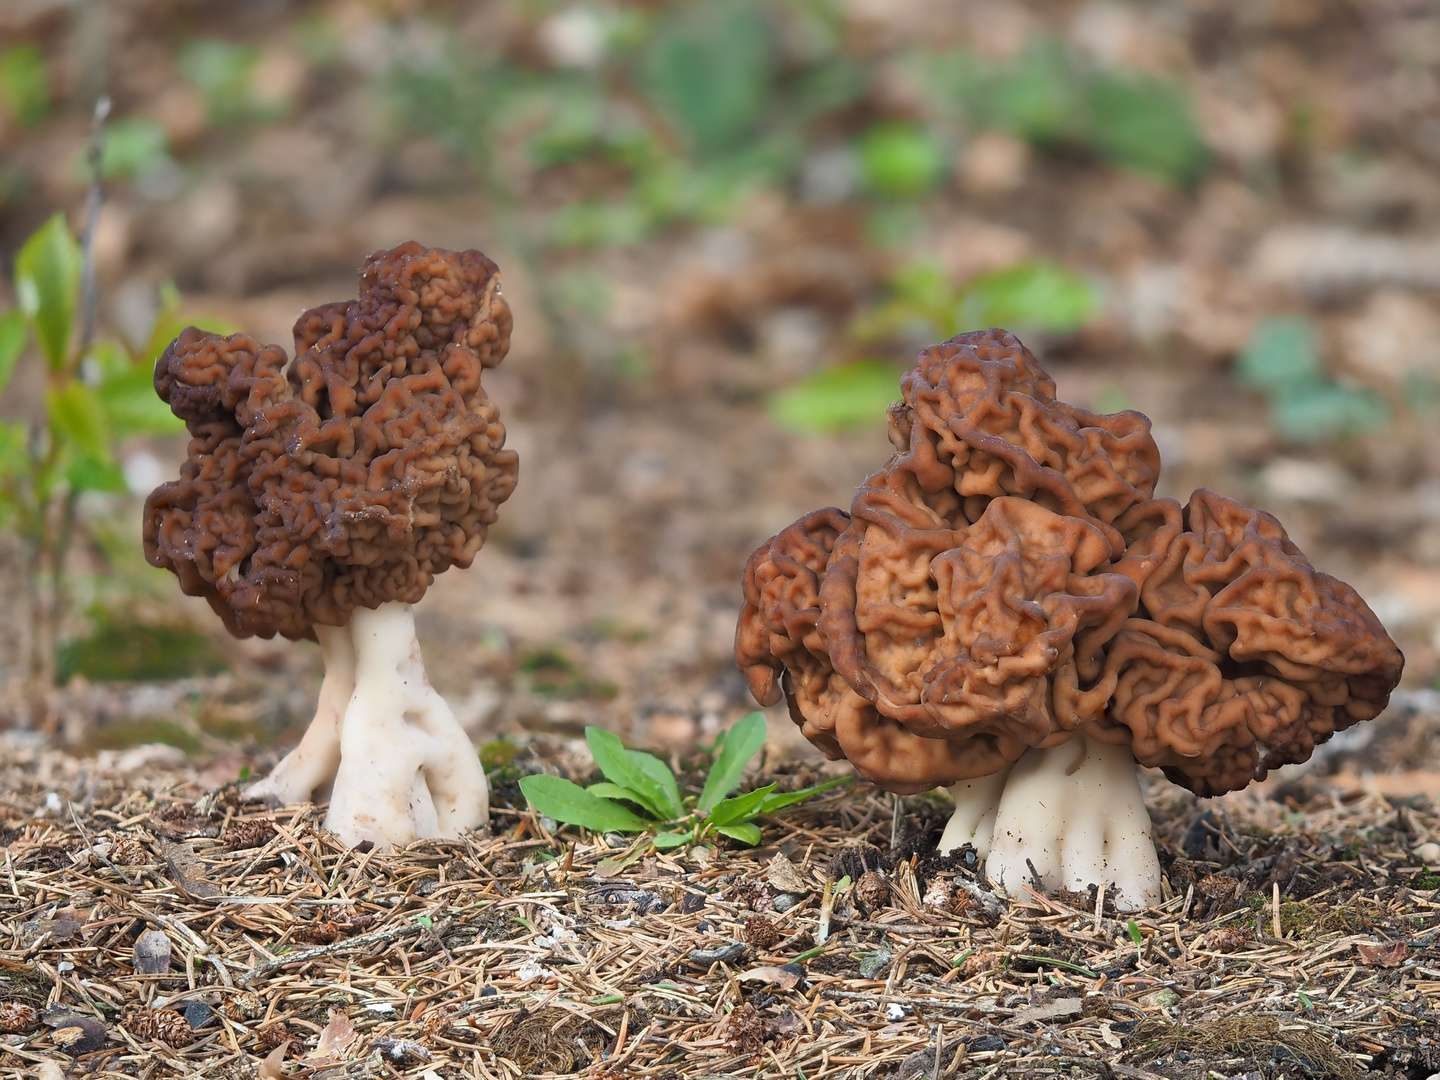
641 795
97 394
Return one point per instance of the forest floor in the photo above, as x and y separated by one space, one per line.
156 928
1299 936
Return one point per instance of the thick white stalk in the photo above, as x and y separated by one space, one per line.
307 772
1073 816
407 769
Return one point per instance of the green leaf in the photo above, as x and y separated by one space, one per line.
133 145
1038 95
1311 413
607 790
47 281
1039 294
594 224
564 801
746 833
838 398
782 799
667 840
660 773
77 417
1282 354
132 407
25 83
1147 126
740 807
12 343
223 71
1135 935
621 766
87 474
710 67
901 161
742 742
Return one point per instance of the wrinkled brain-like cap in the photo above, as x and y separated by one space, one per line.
1008 579
354 476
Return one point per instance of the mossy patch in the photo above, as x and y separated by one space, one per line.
119 651
123 734
550 673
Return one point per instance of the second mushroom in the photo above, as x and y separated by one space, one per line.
1008 611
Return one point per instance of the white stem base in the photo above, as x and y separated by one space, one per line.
1074 813
397 764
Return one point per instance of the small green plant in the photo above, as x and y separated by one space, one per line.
1282 360
1045 95
924 305
640 793
96 394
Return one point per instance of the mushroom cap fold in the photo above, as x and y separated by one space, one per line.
1008 580
352 476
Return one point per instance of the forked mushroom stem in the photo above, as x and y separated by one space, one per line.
383 746
1074 813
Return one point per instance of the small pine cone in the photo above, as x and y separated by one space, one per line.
272 1035
248 834
17 1018
872 890
761 933
1225 939
130 852
1216 887
244 1006
320 932
160 1025
975 964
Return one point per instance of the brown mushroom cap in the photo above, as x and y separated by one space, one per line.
352 479
1007 580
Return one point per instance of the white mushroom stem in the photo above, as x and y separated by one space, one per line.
1071 816
395 763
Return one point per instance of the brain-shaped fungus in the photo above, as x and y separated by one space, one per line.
1007 580
373 463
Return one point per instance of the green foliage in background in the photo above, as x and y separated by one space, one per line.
1044 95
902 161
24 84
640 793
227 74
711 68
96 395
925 306
1282 360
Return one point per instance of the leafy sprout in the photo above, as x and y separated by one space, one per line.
640 793
96 395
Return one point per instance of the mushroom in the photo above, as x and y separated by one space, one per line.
320 499
1007 610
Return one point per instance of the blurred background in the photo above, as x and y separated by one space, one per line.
725 229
